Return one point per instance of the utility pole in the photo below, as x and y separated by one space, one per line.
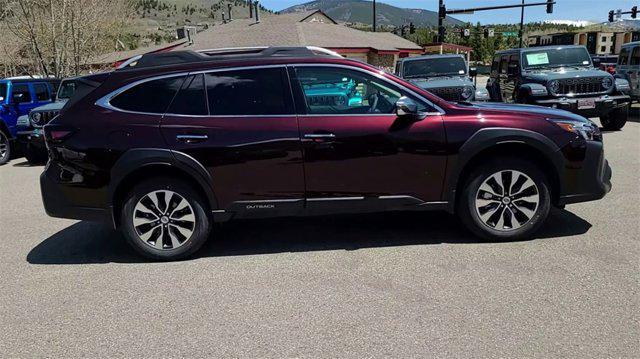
521 32
374 15
442 13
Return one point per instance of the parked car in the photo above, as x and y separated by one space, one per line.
29 127
447 76
560 77
18 96
628 67
181 140
605 62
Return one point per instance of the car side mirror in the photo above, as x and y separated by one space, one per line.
596 62
407 108
473 72
512 70
17 98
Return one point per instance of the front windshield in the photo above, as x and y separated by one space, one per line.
3 91
576 56
443 66
66 90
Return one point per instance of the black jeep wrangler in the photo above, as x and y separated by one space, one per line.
561 77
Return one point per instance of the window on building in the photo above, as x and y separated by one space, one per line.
330 90
635 56
603 49
604 39
191 99
249 92
150 97
21 93
42 92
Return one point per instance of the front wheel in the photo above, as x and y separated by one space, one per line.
165 219
505 200
5 148
616 119
34 155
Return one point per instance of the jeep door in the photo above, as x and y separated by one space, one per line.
503 77
358 153
241 127
633 71
22 101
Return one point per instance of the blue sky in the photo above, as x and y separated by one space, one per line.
595 10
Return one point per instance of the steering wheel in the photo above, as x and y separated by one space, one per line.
373 102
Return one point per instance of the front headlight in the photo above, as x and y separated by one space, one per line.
607 82
35 117
587 130
467 92
622 85
482 94
554 86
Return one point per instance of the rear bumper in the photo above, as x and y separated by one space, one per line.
588 180
603 104
55 198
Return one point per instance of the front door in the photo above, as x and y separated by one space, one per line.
358 153
241 126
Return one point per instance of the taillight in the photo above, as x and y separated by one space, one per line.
57 133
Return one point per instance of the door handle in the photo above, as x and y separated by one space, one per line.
314 136
192 138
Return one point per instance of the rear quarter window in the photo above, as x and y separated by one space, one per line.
153 96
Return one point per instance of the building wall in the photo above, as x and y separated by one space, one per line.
387 62
604 43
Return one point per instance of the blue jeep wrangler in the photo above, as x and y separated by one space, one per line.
18 96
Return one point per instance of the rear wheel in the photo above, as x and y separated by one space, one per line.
5 148
506 199
616 119
165 219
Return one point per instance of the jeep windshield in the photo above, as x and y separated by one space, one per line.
559 57
3 91
442 66
66 90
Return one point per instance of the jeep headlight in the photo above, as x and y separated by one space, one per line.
467 92
622 85
554 86
587 130
35 118
607 82
482 94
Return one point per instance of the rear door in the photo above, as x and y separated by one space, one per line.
241 126
358 154
633 71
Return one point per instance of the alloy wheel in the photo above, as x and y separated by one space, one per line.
507 200
164 220
4 146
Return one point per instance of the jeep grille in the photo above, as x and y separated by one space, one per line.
448 93
45 117
581 86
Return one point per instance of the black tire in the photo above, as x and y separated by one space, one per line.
5 148
200 229
616 119
469 213
34 155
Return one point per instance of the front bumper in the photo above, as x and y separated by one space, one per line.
586 175
603 104
34 138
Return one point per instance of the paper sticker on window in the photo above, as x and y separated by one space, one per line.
538 59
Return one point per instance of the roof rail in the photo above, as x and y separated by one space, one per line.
180 57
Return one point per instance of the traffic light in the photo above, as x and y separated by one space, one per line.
611 16
412 28
466 32
442 11
634 12
550 6
441 34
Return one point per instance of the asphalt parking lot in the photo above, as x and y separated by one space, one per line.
384 285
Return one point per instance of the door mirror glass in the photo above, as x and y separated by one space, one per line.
406 107
1 98
473 72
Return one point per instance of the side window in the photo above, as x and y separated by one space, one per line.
623 59
191 99
21 93
495 65
635 56
42 92
249 92
514 60
151 97
503 64
329 90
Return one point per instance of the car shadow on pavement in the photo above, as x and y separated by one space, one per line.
86 242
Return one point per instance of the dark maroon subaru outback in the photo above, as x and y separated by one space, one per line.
174 142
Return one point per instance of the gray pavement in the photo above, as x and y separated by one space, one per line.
384 285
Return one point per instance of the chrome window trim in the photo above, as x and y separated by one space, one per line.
104 101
